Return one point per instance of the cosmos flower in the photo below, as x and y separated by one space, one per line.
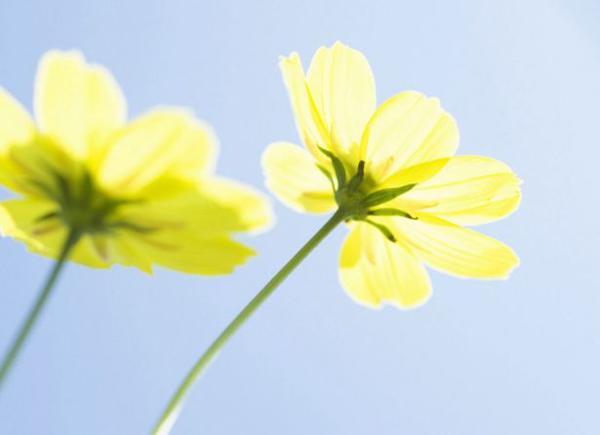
139 193
392 174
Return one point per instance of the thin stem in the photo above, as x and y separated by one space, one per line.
169 416
35 311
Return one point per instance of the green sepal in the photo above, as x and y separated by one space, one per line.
338 166
44 188
384 195
64 189
357 178
390 212
48 216
383 229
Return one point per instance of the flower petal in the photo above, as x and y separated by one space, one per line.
197 210
343 90
470 190
180 235
77 104
255 211
456 250
310 126
186 252
293 176
16 126
8 227
415 174
126 251
188 211
406 130
374 270
16 129
161 142
31 168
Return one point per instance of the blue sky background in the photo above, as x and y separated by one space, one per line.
515 357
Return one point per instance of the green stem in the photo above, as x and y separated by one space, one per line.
169 416
35 311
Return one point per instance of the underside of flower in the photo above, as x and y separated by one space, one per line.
83 207
356 200
390 169
138 193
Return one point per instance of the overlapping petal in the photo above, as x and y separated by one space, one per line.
201 210
253 209
190 232
77 104
310 126
125 250
406 130
455 250
163 142
186 251
16 126
31 168
293 176
415 174
343 90
470 190
16 129
374 270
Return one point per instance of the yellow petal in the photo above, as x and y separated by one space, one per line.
293 176
8 227
22 218
343 90
415 174
118 247
470 190
126 251
374 270
16 127
254 209
45 236
310 126
77 104
406 130
161 142
456 250
184 251
30 168
188 233
198 212
88 253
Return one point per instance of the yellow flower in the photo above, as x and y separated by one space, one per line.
392 172
138 193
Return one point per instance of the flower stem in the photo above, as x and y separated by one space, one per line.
169 416
35 311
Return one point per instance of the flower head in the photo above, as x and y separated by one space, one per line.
393 173
138 193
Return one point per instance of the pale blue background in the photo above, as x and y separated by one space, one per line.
481 358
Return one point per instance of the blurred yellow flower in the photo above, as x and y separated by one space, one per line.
139 194
392 174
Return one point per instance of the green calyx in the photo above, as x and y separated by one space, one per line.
81 205
358 204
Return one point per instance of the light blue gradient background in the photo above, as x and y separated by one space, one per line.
509 357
